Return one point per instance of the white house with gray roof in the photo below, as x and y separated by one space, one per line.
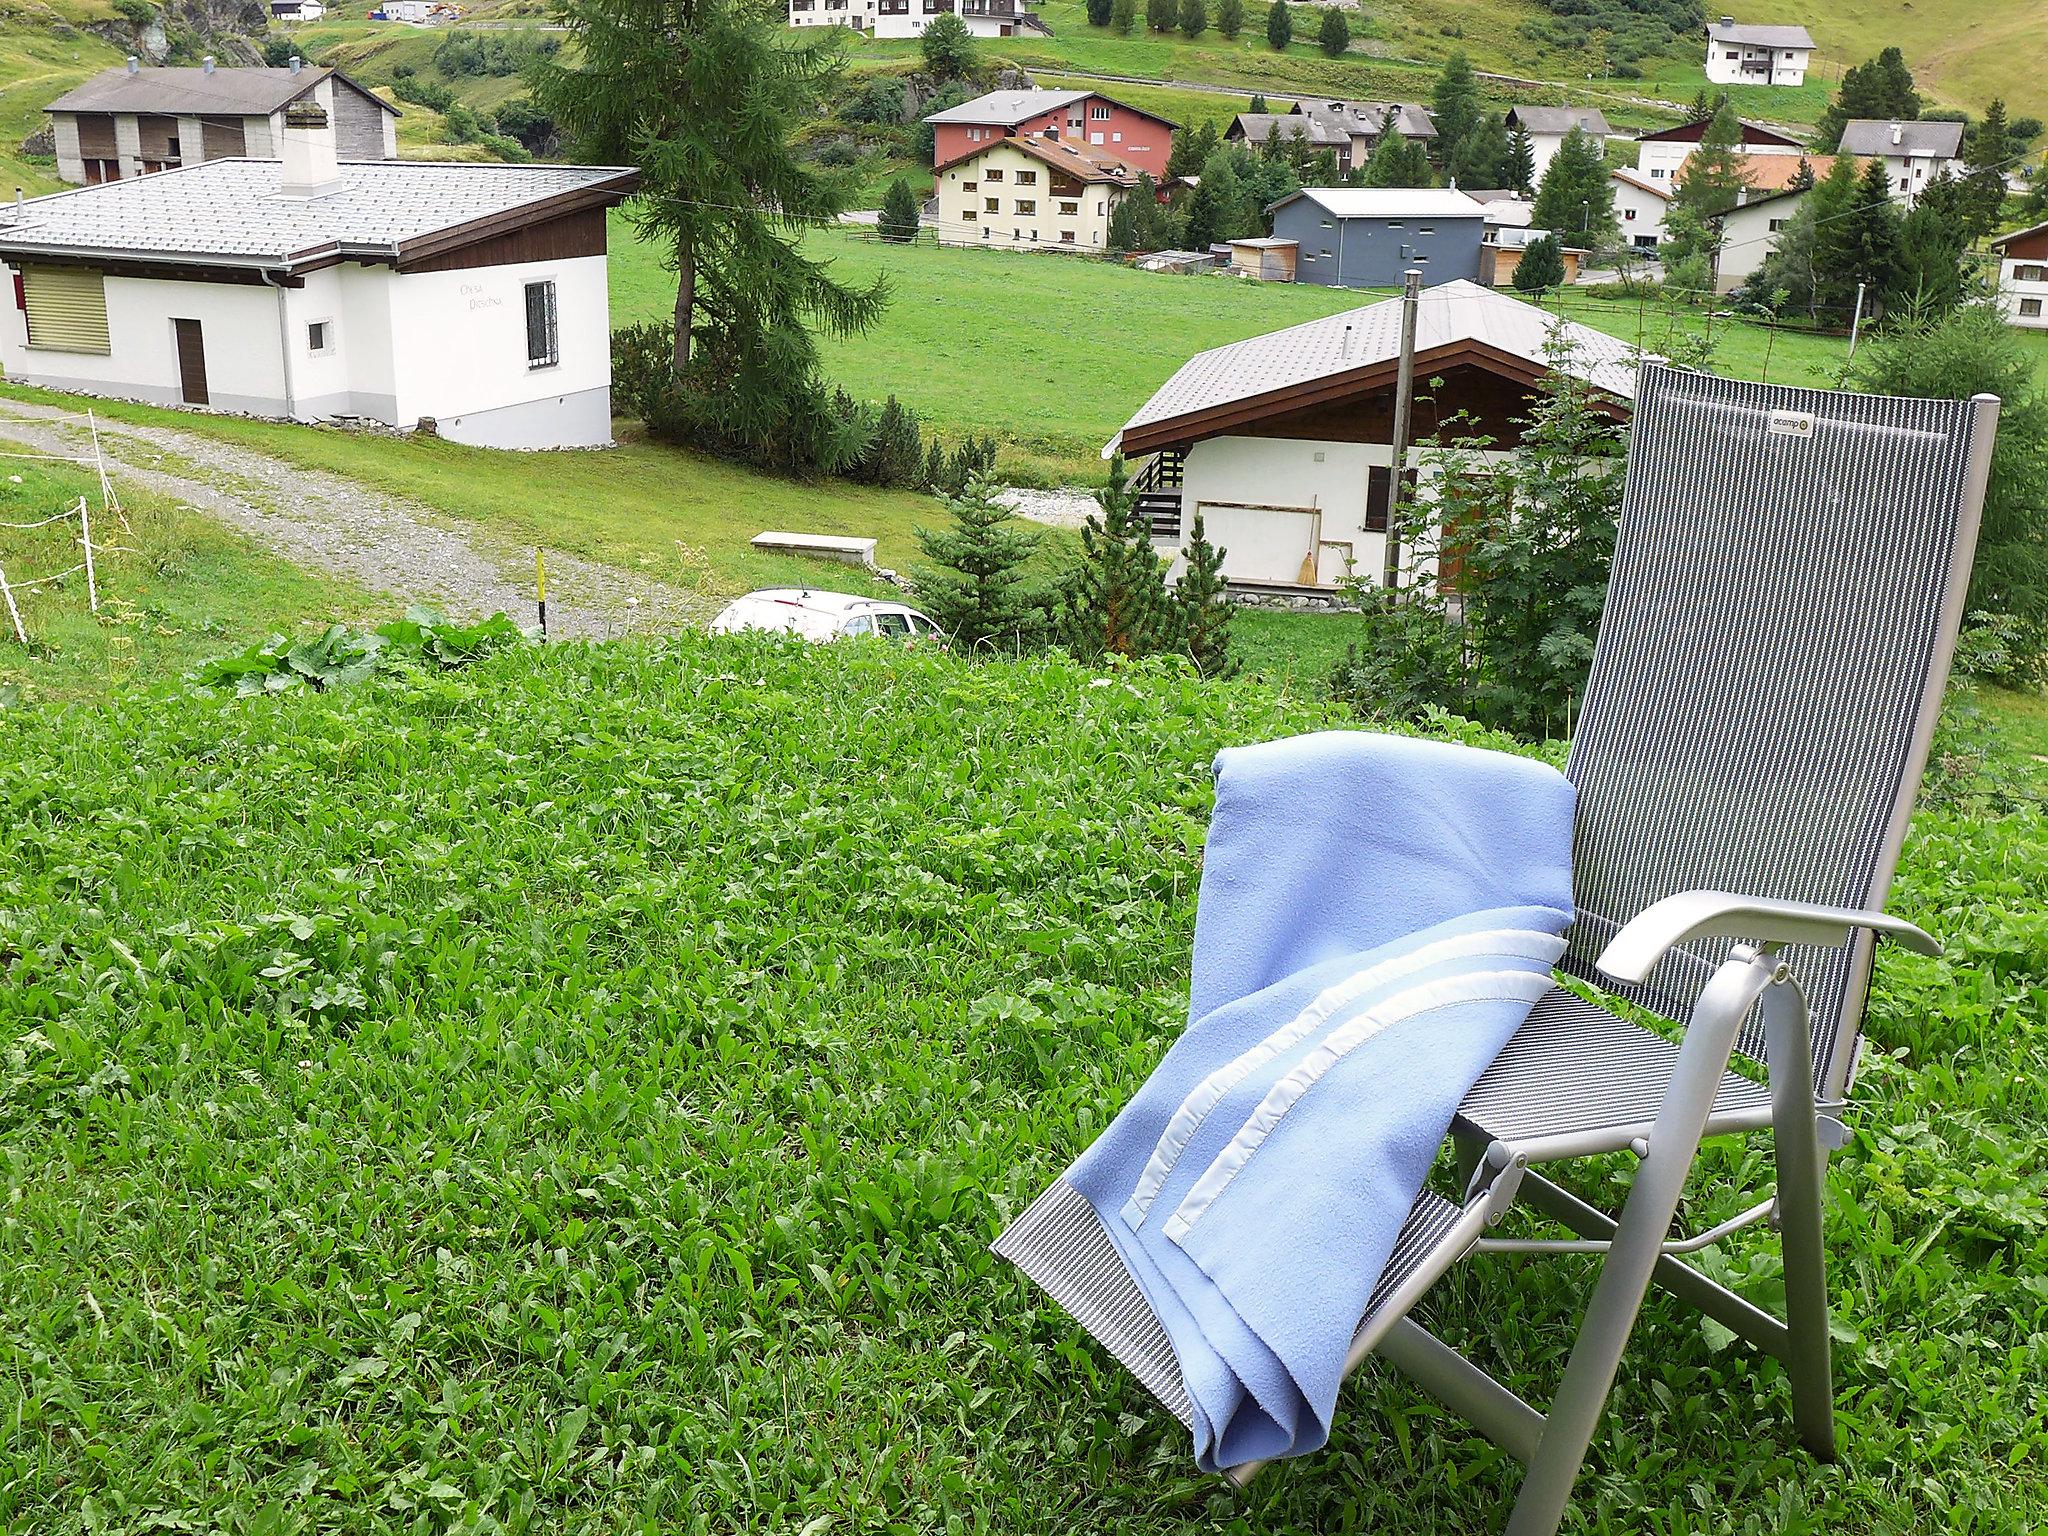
1743 54
133 121
1283 443
1914 152
1548 127
469 297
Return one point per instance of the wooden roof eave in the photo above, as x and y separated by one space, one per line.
1221 420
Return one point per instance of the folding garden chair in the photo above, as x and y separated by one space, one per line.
1785 597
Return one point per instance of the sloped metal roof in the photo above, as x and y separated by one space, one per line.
199 92
1560 120
1759 37
1008 108
1449 313
1390 202
231 212
1874 136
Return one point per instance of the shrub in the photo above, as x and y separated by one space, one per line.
879 100
1412 661
1541 267
137 13
948 47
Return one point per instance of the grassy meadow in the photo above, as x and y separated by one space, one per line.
576 1094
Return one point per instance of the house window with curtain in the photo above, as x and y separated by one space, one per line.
543 337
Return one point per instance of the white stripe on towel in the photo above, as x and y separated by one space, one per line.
1484 986
1520 943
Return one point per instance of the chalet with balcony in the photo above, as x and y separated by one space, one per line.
1659 154
1548 127
909 18
1751 55
2023 277
130 121
1914 152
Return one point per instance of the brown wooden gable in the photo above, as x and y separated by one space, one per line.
558 239
2029 246
1494 386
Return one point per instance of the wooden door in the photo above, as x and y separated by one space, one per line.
191 362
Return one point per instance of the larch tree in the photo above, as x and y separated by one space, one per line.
706 97
1454 104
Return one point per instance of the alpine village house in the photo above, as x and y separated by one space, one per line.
1284 442
1041 168
132 121
471 296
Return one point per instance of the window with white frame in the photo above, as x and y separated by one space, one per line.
543 334
320 337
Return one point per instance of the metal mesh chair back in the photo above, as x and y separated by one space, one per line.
1787 585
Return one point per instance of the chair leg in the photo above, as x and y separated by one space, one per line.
1646 1219
1801 1167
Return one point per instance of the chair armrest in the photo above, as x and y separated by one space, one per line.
1664 925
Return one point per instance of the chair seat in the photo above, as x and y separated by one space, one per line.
1575 1069
1059 1243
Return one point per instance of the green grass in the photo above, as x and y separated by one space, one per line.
43 53
175 588
576 1095
674 515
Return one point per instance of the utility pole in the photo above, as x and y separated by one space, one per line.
1404 401
1856 322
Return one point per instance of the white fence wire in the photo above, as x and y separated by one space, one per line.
109 504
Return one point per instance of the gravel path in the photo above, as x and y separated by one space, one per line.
1057 509
328 523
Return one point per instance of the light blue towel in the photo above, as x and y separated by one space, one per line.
1377 917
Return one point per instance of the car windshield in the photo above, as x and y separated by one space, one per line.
893 623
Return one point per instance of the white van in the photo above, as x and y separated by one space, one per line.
819 615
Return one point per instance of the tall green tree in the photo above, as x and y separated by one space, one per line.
1220 209
1162 15
1951 357
1230 22
1518 172
1098 12
1201 601
1279 25
1258 106
1454 104
1931 278
1829 204
1115 601
1576 200
1123 15
900 213
948 47
1335 35
1711 182
706 98
1396 161
1879 88
1862 245
977 587
1987 153
1194 18
1482 158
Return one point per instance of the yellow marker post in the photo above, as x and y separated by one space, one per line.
540 584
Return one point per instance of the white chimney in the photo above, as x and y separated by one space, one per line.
310 168
1898 133
134 65
295 63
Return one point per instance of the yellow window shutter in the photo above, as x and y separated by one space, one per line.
67 309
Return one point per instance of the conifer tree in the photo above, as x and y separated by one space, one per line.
900 213
1116 599
1518 174
1986 150
1162 15
1230 22
1483 154
1279 26
1932 239
1203 602
1395 161
1258 106
1194 18
976 588
1711 181
1576 200
706 98
1862 246
1335 36
1455 106
948 47
1098 12
1123 15
1880 88
1541 267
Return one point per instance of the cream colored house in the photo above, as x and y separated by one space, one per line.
1048 194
